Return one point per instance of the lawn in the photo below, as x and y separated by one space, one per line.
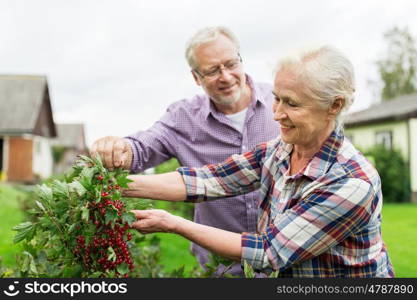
10 215
399 231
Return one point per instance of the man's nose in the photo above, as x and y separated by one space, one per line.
225 74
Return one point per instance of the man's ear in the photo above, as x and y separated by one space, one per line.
196 78
337 106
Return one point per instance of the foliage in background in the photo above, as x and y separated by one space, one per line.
394 173
398 68
57 153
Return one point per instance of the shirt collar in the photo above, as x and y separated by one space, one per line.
322 160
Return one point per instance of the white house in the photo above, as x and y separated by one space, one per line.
392 123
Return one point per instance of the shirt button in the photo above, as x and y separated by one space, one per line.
250 205
243 147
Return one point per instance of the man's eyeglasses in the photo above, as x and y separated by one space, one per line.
215 72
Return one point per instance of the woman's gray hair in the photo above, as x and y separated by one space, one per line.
206 35
325 73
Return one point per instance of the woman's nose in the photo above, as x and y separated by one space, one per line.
279 113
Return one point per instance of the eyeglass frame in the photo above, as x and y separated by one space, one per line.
218 70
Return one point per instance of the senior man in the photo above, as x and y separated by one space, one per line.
231 117
320 198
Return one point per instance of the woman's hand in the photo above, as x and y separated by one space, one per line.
222 242
154 220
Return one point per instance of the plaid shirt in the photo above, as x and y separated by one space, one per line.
324 221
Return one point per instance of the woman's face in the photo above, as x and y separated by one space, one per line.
303 122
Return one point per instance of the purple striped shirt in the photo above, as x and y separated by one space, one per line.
195 133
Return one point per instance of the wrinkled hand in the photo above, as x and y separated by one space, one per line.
114 151
154 220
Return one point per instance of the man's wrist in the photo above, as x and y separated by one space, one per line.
129 157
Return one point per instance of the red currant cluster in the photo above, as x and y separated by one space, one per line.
97 254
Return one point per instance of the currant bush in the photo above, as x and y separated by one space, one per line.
82 226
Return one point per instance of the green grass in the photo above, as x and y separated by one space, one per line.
399 232
175 250
10 215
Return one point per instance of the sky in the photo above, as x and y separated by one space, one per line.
116 65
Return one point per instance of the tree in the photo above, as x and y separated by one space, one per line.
398 69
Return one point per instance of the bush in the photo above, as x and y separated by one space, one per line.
81 226
394 173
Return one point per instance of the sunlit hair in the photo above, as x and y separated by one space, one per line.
206 35
325 74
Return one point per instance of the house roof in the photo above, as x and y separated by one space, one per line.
399 108
70 136
25 105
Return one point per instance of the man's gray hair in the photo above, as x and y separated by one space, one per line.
325 73
206 35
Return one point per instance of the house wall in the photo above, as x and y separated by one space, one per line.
42 157
413 158
364 136
19 160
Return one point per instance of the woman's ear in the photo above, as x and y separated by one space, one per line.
337 106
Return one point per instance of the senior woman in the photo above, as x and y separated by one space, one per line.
320 205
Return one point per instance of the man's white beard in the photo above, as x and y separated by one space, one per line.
228 100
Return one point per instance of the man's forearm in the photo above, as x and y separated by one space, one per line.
168 186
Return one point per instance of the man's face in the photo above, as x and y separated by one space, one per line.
227 86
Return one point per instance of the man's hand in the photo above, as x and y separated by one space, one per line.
154 220
114 151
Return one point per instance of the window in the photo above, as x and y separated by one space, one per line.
384 138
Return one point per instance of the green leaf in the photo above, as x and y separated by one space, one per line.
71 228
45 193
128 218
24 230
111 215
86 177
60 189
122 181
28 263
85 214
22 226
99 164
40 205
248 270
86 159
123 268
72 271
95 274
112 254
77 187
177 273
